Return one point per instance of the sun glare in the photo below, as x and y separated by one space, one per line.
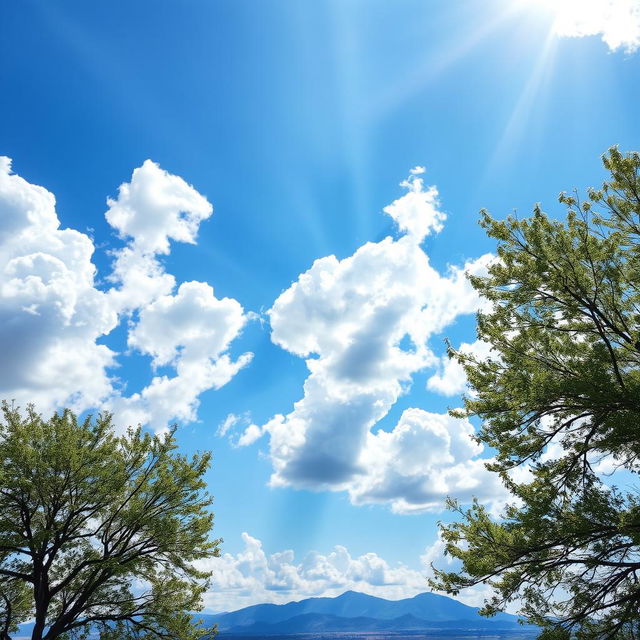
571 15
618 21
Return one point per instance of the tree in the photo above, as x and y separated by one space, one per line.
98 533
559 398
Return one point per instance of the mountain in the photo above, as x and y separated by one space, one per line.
354 611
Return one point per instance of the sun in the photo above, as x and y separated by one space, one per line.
618 21
575 17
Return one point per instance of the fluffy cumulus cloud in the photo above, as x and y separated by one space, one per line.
53 315
190 331
254 576
363 324
156 207
417 212
426 457
616 21
152 210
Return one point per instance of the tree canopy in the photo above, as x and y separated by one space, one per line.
99 532
559 400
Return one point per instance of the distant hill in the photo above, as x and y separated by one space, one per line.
354 611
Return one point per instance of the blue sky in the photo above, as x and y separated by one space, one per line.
297 121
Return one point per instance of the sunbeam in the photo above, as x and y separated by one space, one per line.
617 21
420 75
530 103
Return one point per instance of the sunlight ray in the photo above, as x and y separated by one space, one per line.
419 76
530 105
357 129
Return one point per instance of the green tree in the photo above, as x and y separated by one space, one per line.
98 533
560 397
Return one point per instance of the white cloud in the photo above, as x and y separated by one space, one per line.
188 331
138 280
53 315
426 457
417 211
149 212
156 207
228 424
616 21
254 576
50 312
239 430
187 326
168 399
363 325
252 433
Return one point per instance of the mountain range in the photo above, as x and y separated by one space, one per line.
359 612
355 613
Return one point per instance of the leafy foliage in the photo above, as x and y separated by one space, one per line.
560 403
97 532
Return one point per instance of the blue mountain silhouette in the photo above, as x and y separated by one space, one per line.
353 611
